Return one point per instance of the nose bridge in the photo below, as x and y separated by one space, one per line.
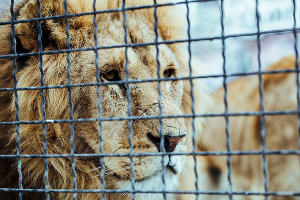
145 98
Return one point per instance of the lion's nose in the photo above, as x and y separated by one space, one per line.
170 141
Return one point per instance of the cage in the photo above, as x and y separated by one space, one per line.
119 99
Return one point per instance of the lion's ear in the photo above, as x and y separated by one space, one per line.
53 30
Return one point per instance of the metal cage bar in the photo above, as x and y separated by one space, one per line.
39 26
100 132
192 98
161 125
71 112
14 43
261 103
228 137
296 66
130 136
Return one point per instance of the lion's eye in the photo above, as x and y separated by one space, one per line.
169 73
112 75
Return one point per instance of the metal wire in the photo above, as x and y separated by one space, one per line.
130 136
102 172
228 138
211 153
162 140
207 192
192 99
72 135
39 26
225 75
297 67
261 103
14 47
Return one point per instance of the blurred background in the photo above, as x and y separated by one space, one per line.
240 18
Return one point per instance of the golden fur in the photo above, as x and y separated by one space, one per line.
144 96
281 134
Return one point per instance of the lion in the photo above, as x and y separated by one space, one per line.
57 109
280 94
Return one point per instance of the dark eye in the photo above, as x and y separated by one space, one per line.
169 73
112 75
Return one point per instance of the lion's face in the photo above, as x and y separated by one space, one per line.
144 101
106 106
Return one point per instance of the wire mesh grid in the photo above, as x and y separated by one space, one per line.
130 118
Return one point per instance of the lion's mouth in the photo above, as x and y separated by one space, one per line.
168 168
